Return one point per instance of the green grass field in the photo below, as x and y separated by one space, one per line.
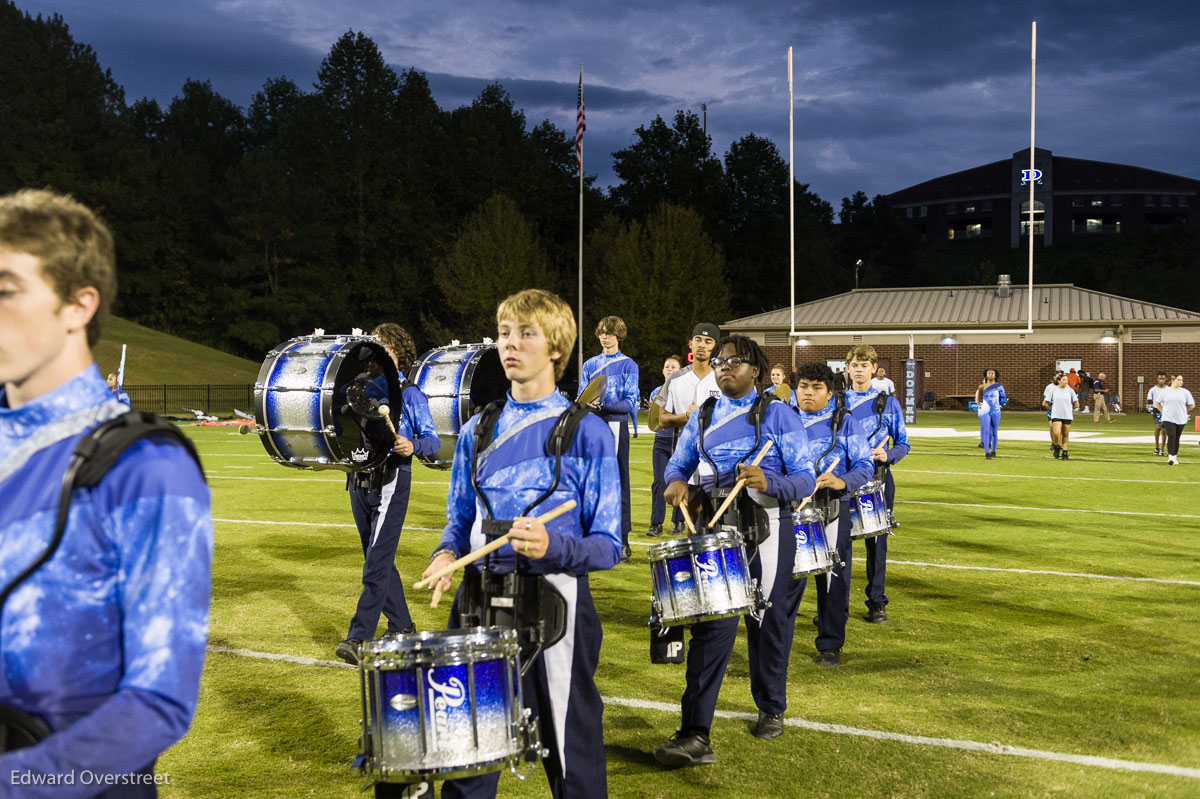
1044 623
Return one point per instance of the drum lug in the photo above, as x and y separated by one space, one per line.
530 743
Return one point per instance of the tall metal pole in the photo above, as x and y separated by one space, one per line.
1032 182
579 336
792 209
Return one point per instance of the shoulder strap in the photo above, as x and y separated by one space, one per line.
94 455
880 403
706 412
485 428
758 411
562 435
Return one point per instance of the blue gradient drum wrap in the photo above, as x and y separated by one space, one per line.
868 511
457 380
813 554
702 578
443 705
299 398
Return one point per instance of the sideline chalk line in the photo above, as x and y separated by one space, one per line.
994 748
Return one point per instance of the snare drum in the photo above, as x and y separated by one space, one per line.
300 404
813 553
444 705
458 381
702 578
868 511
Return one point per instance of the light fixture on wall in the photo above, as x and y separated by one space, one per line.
803 342
949 339
1108 337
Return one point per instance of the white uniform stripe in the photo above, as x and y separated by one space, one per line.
385 503
836 729
559 659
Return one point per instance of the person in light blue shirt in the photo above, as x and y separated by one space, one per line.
779 378
1174 403
882 419
991 397
620 399
503 488
721 453
379 498
843 463
1061 402
103 644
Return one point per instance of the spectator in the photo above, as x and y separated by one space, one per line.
1101 392
1085 389
1174 403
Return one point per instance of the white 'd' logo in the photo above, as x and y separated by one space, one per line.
868 506
708 568
801 538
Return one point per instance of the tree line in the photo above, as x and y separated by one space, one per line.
360 201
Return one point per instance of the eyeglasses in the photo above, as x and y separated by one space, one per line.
732 363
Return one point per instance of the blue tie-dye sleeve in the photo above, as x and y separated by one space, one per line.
460 501
628 392
594 457
799 477
686 456
893 420
1003 396
590 367
419 420
857 451
154 507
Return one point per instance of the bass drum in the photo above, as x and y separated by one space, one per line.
458 381
300 403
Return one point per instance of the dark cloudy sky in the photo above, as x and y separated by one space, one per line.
887 93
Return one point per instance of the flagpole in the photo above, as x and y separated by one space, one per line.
792 210
579 120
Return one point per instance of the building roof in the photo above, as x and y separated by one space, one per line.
964 306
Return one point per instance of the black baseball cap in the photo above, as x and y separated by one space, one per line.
707 329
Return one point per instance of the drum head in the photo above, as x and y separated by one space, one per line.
488 381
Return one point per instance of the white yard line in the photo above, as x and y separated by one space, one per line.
1084 511
815 726
901 471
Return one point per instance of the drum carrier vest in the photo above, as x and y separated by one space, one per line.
525 602
744 514
827 499
881 469
94 455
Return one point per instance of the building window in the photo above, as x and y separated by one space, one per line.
952 208
1095 225
908 212
1183 201
1076 202
1166 201
1149 200
1097 202
974 230
924 211
1039 222
1115 201
969 207
985 206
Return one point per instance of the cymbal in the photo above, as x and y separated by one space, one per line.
653 418
783 392
594 390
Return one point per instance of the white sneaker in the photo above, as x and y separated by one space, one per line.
1172 460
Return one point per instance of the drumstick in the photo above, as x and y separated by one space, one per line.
687 517
471 557
384 411
740 483
833 465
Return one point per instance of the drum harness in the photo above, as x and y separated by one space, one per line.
94 455
525 602
826 499
757 520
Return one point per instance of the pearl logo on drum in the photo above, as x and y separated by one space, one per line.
708 568
442 698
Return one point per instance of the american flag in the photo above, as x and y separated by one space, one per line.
580 127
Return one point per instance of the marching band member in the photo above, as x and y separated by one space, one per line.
664 445
103 644
832 433
990 396
379 501
517 480
778 378
687 389
882 419
621 398
728 443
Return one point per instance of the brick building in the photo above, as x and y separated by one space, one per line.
1127 339
1074 199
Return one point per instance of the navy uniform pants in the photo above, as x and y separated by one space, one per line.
877 550
663 446
620 428
560 689
833 591
379 515
769 641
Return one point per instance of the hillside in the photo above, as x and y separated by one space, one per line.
160 358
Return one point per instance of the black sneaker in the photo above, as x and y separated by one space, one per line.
1066 456
876 614
626 554
1057 453
409 630
655 530
348 650
679 530
690 749
770 725
829 658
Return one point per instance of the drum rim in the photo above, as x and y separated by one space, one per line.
704 542
457 645
805 513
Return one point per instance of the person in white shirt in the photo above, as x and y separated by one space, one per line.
1160 434
687 389
1062 402
1174 403
881 383
1049 416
